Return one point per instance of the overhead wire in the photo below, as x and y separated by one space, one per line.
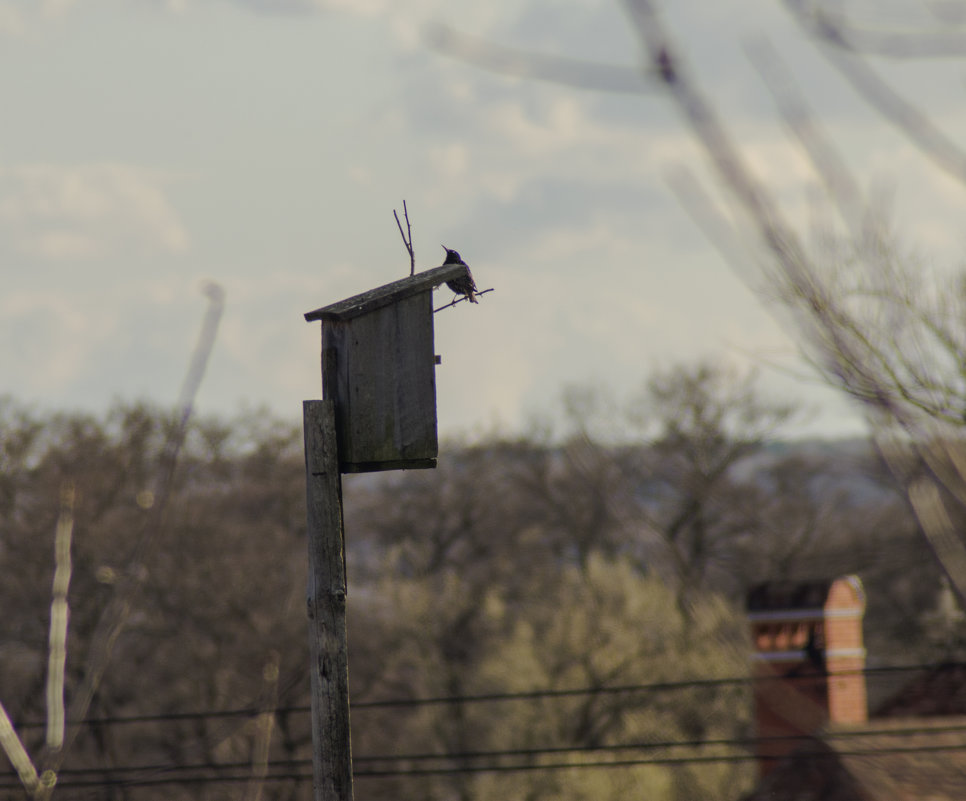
500 761
525 695
169 775
156 774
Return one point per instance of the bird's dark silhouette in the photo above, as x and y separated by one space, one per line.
463 285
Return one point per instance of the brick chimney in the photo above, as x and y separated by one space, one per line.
808 661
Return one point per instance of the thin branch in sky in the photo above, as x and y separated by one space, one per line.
516 63
851 354
407 241
114 616
460 299
947 41
841 186
901 112
752 196
720 231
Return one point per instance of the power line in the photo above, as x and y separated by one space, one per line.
526 695
517 752
665 761
296 774
664 686
155 781
169 717
241 771
743 742
384 766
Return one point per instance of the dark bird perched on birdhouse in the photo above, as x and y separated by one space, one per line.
461 286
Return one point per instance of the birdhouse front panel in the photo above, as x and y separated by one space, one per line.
379 369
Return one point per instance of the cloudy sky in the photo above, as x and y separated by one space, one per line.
148 147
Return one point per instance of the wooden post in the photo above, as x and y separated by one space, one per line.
378 412
332 753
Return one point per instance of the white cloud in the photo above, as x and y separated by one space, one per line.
11 21
14 21
84 211
555 196
367 8
450 161
51 338
56 9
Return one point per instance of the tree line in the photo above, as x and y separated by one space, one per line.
614 552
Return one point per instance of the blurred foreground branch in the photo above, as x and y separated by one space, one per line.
516 63
901 112
57 656
115 614
866 317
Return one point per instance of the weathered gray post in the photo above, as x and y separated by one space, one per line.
332 756
378 412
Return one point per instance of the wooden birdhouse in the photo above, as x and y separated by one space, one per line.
379 368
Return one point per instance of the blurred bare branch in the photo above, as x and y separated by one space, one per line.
57 655
41 786
710 218
17 754
945 41
842 188
937 526
866 319
516 63
264 725
115 614
898 110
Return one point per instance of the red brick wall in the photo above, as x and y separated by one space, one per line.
845 652
809 664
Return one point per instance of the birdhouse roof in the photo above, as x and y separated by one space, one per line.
388 294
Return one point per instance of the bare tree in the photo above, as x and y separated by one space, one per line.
863 311
700 422
864 314
64 725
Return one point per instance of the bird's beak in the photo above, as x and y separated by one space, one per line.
444 248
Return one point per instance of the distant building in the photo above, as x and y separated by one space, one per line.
816 741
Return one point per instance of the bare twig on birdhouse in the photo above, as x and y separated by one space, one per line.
460 299
407 241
